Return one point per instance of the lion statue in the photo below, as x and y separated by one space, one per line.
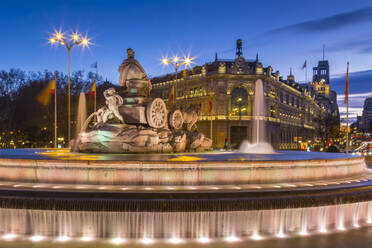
191 116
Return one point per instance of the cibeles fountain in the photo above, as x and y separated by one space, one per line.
146 125
142 174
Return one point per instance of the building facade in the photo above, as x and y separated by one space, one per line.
291 110
321 87
367 115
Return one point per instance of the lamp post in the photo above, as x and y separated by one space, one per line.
240 103
176 62
60 38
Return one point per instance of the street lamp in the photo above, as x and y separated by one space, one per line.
69 41
176 62
240 103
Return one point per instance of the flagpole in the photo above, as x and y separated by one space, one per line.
55 110
347 109
95 96
211 127
210 113
347 126
95 92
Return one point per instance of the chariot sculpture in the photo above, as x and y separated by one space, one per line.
143 124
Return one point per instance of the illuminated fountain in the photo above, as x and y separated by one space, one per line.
173 227
132 196
81 113
139 123
259 142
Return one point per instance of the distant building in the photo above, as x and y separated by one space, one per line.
367 115
292 113
321 87
358 124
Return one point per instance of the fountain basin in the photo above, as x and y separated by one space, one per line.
61 166
53 194
200 227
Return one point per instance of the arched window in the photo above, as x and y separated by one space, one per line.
239 101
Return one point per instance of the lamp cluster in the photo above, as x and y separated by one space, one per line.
176 61
69 40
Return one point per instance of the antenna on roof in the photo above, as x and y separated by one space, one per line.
323 51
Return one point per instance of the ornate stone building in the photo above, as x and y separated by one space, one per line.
321 87
291 111
367 115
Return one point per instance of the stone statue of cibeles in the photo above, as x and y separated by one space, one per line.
138 123
133 77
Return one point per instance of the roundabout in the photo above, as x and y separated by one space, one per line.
140 173
54 195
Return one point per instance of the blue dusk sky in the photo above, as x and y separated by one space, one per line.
283 33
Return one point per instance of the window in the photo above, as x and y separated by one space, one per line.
281 97
239 102
287 99
272 111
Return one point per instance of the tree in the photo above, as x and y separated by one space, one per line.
26 123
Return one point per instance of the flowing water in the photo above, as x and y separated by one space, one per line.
197 226
81 113
259 142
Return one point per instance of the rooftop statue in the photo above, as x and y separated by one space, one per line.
137 123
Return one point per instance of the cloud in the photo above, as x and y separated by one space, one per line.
359 83
360 45
327 23
341 97
366 49
356 102
354 44
366 73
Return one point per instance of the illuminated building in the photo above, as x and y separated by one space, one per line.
367 115
291 110
321 87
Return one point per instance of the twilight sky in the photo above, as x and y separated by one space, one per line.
284 33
